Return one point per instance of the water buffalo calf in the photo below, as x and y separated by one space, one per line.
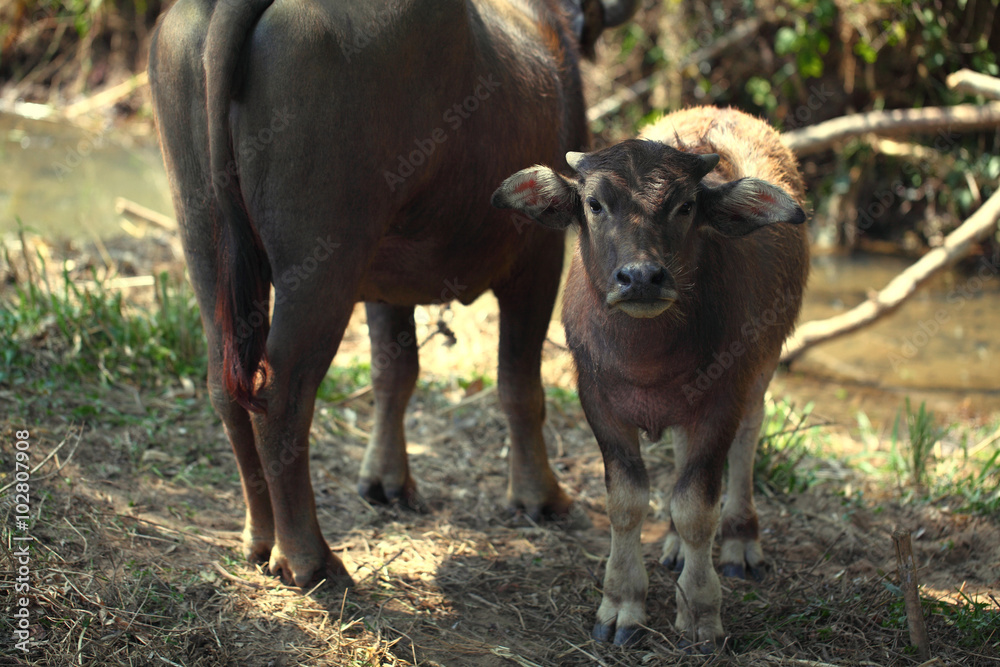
345 150
680 294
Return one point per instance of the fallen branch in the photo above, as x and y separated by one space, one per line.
127 207
232 577
958 118
106 97
974 83
740 32
468 400
902 287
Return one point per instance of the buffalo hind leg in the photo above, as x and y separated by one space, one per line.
300 347
258 526
385 473
525 310
740 552
182 128
673 552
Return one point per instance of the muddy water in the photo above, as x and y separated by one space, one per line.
943 345
62 181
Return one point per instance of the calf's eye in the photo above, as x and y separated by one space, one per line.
685 208
595 206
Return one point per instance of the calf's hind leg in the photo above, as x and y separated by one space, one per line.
673 553
385 473
741 553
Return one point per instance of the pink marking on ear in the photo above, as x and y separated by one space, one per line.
526 185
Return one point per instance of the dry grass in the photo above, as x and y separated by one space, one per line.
137 561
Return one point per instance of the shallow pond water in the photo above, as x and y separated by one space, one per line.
62 181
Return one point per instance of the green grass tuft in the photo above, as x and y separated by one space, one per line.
87 332
785 440
924 434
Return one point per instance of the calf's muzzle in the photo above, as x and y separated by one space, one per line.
642 289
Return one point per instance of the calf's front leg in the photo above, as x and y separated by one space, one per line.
741 553
622 613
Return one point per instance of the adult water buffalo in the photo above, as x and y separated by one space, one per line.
345 150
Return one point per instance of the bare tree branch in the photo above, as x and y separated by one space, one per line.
900 288
974 83
129 207
958 118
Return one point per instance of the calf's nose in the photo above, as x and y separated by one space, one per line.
638 275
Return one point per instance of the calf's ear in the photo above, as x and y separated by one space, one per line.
541 194
740 207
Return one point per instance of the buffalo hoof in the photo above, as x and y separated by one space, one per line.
405 496
699 648
305 571
673 563
733 570
557 506
602 632
256 549
628 636
739 571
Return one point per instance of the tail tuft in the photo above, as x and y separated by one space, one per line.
242 309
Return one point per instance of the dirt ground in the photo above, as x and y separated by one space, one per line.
137 558
139 512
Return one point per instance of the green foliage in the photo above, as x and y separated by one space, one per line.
476 378
913 457
924 434
975 621
971 482
342 380
809 38
784 442
83 13
759 89
88 332
562 396
979 489
966 481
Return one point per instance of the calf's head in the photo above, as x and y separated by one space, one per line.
641 207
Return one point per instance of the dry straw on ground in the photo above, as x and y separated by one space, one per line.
138 561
